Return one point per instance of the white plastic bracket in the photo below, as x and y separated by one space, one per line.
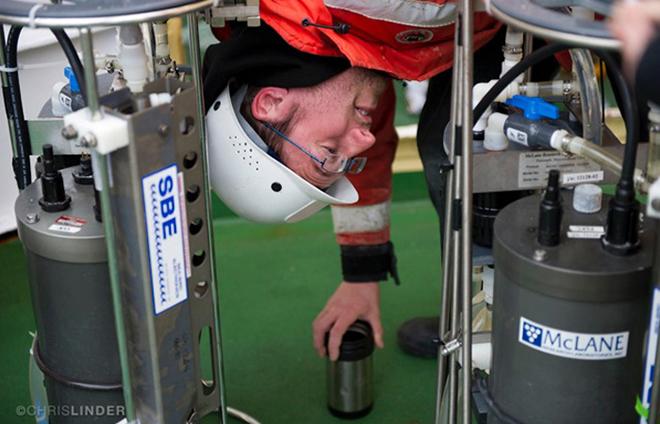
653 205
108 133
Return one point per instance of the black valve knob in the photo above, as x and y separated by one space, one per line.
54 197
550 212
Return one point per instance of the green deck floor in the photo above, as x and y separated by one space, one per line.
273 280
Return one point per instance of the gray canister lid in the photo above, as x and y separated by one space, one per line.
577 269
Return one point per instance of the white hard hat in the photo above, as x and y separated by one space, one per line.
251 182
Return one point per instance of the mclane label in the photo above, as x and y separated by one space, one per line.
567 344
651 352
582 177
162 212
533 168
517 136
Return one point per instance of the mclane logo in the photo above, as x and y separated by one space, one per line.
572 345
414 36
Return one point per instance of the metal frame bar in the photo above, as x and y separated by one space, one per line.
195 54
103 177
457 266
112 20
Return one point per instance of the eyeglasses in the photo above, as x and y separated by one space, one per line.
332 163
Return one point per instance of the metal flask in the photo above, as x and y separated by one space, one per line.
350 377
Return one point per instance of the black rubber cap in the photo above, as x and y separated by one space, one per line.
357 343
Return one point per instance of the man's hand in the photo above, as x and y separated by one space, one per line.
350 302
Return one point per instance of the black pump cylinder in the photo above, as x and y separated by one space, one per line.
54 197
550 212
350 377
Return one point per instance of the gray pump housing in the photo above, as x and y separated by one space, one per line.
569 321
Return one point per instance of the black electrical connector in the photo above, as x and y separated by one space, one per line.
621 236
84 174
52 186
622 232
550 212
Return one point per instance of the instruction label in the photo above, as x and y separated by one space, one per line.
585 231
568 344
533 167
68 224
162 212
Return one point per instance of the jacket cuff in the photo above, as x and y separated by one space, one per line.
362 264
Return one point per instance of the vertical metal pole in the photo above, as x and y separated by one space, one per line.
455 310
108 225
528 45
447 293
5 86
654 414
195 54
466 227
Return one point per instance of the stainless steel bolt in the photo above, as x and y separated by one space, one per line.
32 218
540 255
163 130
88 140
656 204
69 132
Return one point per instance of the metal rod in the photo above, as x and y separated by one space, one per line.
115 284
466 186
90 73
455 309
101 163
445 310
654 414
195 54
447 247
528 46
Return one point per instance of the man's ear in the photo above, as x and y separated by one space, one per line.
271 104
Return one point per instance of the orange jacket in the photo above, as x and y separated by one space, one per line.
411 39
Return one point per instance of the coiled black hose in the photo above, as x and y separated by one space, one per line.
15 115
14 102
72 56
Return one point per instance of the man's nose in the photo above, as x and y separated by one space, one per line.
357 141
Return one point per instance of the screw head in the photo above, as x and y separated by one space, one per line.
540 255
88 140
655 203
69 132
163 130
32 218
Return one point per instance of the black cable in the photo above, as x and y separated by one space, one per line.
629 111
621 236
527 62
72 56
15 115
622 232
83 385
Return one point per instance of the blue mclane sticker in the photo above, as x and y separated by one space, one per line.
651 352
162 212
568 344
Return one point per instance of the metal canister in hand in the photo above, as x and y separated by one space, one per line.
350 377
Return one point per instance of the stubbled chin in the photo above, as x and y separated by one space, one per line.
323 182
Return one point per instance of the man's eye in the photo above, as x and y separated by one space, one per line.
362 112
